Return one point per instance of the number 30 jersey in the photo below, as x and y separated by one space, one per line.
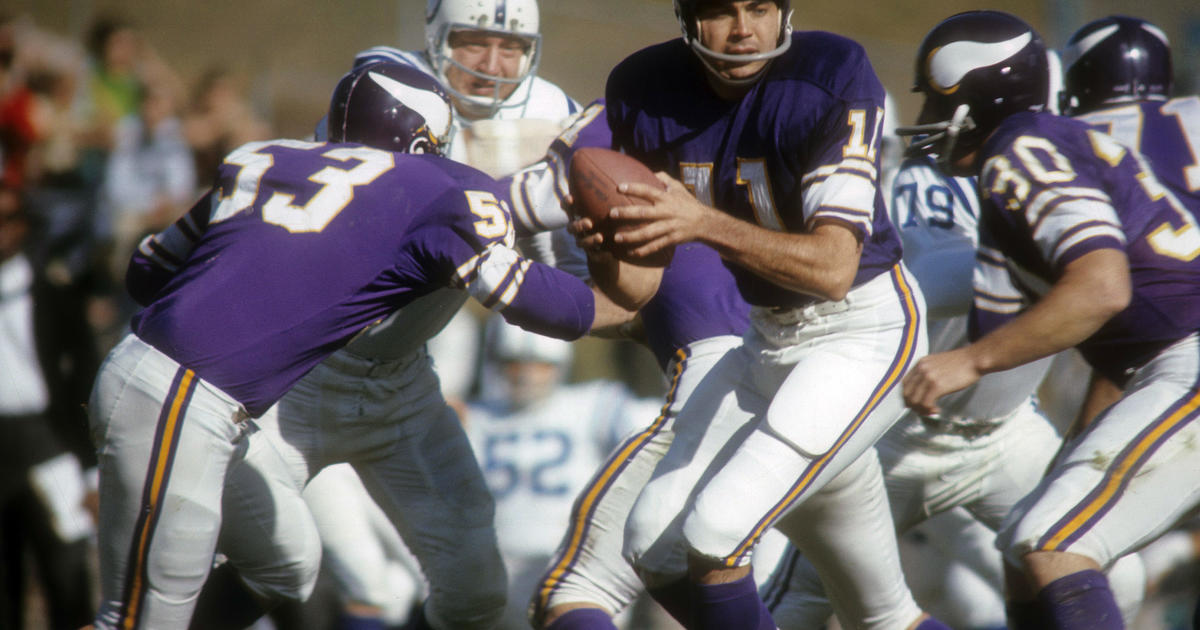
1055 189
299 246
800 146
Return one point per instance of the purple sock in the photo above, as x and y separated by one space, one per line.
1081 601
932 624
674 598
729 606
583 619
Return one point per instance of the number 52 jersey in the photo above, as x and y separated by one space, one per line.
299 246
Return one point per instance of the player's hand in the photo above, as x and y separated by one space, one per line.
668 217
935 376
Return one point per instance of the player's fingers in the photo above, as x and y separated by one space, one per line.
581 226
640 190
651 248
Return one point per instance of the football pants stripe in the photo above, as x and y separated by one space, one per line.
1125 466
900 363
166 439
593 494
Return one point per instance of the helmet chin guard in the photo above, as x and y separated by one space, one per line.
939 138
689 23
502 18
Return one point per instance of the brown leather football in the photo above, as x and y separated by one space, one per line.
595 174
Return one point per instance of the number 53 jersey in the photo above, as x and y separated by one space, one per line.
1055 189
299 246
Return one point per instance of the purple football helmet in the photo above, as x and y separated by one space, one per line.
975 69
390 106
1117 59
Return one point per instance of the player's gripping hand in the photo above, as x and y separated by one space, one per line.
666 218
936 375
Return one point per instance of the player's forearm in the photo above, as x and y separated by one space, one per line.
821 263
626 284
1092 290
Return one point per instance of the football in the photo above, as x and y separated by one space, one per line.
594 176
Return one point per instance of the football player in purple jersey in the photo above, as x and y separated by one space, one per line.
297 248
769 143
1118 79
695 318
1080 245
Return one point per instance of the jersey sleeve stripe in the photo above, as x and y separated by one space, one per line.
1091 230
1044 203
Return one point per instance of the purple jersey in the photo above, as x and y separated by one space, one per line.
1055 189
1166 132
697 298
800 146
301 245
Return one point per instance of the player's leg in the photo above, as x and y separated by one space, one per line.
1129 477
415 461
857 348
588 572
164 441
711 423
846 532
363 554
267 535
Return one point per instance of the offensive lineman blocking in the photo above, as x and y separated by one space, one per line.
171 407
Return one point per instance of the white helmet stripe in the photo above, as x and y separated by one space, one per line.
950 63
429 105
1076 50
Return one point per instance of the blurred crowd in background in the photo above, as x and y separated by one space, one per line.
105 142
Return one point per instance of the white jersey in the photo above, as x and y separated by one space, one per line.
535 99
537 459
936 217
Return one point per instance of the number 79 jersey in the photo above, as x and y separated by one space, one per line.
800 146
1055 189
299 246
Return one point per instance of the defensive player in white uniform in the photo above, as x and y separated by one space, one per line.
486 55
539 440
1081 245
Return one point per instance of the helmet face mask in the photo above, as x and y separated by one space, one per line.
688 13
1116 59
390 106
975 69
513 20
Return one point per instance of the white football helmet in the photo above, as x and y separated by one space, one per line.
517 18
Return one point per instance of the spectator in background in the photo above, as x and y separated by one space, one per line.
220 119
149 178
49 361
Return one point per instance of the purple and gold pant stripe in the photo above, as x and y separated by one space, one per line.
593 494
900 363
166 439
1124 467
